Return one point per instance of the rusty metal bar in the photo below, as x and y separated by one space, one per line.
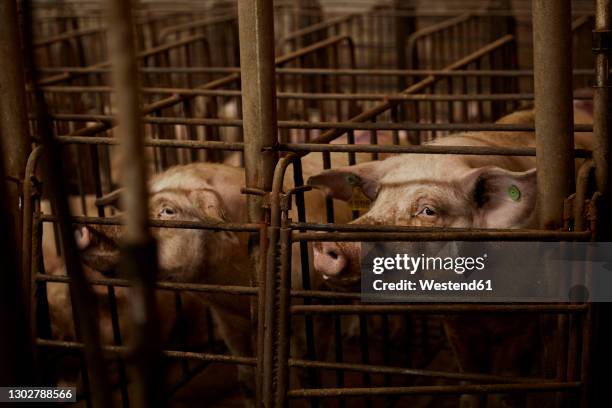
138 257
420 149
14 132
553 108
68 35
501 235
321 71
284 124
435 389
83 304
602 104
174 286
313 95
375 369
441 308
256 34
16 352
336 21
123 350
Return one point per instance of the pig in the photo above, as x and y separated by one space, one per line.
174 334
204 192
424 190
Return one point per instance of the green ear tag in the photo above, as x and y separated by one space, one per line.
514 193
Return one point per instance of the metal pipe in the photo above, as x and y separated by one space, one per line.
256 34
553 108
83 304
320 71
493 235
602 105
14 131
435 389
138 257
440 308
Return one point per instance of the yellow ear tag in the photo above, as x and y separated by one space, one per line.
359 201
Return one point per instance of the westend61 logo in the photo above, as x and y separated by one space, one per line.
414 264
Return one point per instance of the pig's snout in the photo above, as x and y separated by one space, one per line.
330 260
82 236
98 246
338 263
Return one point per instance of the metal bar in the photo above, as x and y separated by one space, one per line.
124 350
317 27
256 38
321 71
553 108
174 286
16 347
14 131
312 95
602 117
440 308
314 125
438 390
214 225
376 369
83 304
420 149
68 35
445 236
138 257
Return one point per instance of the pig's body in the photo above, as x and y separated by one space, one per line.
425 190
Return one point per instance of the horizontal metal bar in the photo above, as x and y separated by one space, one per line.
295 124
200 287
462 308
375 369
191 144
493 235
310 95
434 389
214 226
174 286
322 71
183 355
420 149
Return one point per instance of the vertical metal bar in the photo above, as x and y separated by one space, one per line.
84 308
602 116
602 154
15 342
14 133
256 33
138 258
553 108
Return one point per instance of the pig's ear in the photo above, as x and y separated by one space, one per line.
503 199
338 183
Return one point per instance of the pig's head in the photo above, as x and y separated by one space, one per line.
197 192
423 191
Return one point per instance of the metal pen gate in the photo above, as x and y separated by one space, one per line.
336 75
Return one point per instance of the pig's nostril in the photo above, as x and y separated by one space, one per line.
333 254
82 237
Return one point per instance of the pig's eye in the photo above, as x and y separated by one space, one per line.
167 212
427 211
